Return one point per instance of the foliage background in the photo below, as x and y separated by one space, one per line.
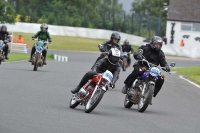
146 18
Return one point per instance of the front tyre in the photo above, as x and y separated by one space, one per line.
37 56
94 101
144 101
127 103
124 65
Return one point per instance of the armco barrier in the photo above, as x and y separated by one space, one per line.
102 34
18 48
73 31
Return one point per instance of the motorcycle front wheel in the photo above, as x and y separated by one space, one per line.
124 65
94 101
37 56
146 99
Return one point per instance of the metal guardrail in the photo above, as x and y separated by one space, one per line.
18 48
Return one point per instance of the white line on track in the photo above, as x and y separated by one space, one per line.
15 61
189 81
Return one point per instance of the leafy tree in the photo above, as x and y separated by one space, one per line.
6 13
153 11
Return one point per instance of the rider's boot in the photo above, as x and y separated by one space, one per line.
75 90
32 52
6 57
150 102
44 62
30 60
124 89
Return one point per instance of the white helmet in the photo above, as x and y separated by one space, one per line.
44 26
113 56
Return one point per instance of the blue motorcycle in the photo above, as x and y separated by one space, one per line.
125 63
37 57
142 91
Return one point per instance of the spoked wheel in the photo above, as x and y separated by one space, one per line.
73 103
124 65
37 56
146 99
94 101
127 103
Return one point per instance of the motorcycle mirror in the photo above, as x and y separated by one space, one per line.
140 51
172 64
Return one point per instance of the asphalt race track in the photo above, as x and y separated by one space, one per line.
38 102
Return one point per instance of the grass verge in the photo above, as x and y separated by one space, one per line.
192 73
66 42
21 56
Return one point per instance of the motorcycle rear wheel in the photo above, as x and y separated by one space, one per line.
124 65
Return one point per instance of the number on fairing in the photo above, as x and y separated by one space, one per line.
108 76
39 49
125 54
154 71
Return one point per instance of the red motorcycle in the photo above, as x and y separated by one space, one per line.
92 92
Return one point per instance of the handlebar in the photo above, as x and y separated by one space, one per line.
150 65
45 42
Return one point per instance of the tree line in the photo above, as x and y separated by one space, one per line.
146 17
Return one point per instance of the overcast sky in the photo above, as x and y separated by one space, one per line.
126 4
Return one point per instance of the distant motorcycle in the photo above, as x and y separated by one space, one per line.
37 57
92 92
125 61
2 54
143 87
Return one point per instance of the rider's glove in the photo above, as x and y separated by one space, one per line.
167 68
33 37
99 45
5 41
139 57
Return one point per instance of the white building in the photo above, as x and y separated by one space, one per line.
183 23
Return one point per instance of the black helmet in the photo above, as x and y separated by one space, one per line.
44 25
156 40
115 35
126 42
3 26
113 56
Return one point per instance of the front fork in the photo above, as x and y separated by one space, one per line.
75 97
143 86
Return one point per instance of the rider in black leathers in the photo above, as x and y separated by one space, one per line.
110 63
127 48
4 36
153 53
106 46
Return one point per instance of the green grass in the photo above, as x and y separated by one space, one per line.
66 42
192 73
20 56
